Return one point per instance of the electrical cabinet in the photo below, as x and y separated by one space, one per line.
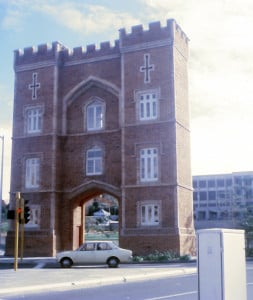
221 264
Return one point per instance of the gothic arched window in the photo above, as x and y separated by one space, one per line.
95 115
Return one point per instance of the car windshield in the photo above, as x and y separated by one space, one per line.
87 247
91 246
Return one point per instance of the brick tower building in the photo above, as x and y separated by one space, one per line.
111 120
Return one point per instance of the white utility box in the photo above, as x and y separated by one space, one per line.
221 264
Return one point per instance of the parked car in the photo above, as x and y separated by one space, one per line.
95 252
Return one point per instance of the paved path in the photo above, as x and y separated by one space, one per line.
37 279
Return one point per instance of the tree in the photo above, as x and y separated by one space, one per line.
94 207
247 225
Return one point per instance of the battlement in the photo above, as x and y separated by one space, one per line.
43 52
92 51
46 52
155 32
180 32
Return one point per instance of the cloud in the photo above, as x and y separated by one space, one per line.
6 131
6 105
12 19
87 18
220 79
220 63
221 145
75 15
78 16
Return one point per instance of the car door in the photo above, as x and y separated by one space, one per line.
86 254
103 252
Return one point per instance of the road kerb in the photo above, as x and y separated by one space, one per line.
67 285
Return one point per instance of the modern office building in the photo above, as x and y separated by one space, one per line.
221 200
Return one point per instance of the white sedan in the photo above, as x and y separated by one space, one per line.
95 252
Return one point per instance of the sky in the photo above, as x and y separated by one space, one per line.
220 64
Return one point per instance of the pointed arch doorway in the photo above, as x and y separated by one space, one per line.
83 198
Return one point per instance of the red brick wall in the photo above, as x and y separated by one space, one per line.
68 81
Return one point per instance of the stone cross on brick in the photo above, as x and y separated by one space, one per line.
147 68
34 86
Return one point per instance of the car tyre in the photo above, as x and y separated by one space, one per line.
113 262
66 262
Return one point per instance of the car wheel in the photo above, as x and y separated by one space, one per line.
66 262
113 262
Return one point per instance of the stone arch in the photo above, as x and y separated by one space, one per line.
77 199
92 188
83 86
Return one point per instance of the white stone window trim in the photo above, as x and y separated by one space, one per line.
94 102
95 160
26 182
152 213
136 155
32 172
29 108
149 164
138 94
35 217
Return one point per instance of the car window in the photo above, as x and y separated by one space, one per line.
103 246
88 247
114 246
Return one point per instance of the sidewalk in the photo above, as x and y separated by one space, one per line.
36 279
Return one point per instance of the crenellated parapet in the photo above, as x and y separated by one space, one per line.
155 32
57 53
181 34
91 51
42 53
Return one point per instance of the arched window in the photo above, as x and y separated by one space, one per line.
94 161
95 115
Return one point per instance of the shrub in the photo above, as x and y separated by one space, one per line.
249 252
158 256
185 258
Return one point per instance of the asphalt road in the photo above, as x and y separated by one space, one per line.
179 287
38 279
129 282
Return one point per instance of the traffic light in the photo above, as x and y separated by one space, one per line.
11 214
23 212
27 212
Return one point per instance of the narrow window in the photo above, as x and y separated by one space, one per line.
95 116
147 106
149 164
94 161
32 173
34 120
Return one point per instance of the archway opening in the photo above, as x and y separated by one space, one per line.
95 217
102 218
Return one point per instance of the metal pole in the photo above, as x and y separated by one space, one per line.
22 205
17 212
1 183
